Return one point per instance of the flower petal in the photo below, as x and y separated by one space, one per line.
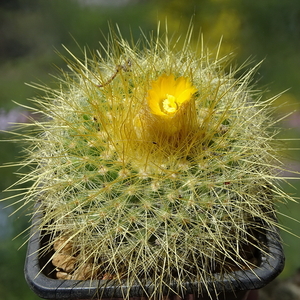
168 94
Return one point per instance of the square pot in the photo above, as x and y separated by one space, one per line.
39 274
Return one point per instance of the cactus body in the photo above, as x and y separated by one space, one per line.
153 165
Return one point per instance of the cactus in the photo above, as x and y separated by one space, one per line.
153 164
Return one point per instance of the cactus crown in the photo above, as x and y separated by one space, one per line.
153 164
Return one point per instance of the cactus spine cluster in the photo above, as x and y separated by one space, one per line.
153 164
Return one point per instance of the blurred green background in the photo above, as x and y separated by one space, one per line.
31 31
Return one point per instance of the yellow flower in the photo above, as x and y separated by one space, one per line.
169 94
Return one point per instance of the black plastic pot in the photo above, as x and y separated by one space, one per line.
232 286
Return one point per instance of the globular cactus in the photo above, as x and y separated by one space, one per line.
153 164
